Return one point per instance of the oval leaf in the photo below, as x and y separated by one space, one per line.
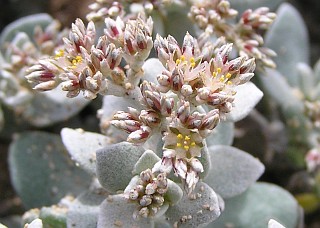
84 210
147 160
195 212
25 24
115 164
223 134
247 96
116 212
47 108
232 170
255 207
41 170
82 147
279 38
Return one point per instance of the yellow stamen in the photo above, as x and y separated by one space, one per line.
192 60
178 61
222 79
186 147
179 136
187 138
214 74
182 58
193 144
59 54
193 64
229 83
228 75
219 70
179 145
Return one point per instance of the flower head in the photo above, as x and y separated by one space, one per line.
148 193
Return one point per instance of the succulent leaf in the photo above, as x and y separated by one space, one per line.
195 212
232 170
53 174
257 205
116 211
247 96
115 164
82 147
289 23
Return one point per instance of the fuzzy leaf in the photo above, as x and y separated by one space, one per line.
53 106
317 72
232 170
82 147
147 160
242 5
205 161
116 212
174 193
306 80
155 143
152 68
24 24
115 164
279 38
279 89
84 210
247 96
255 207
41 170
203 210
223 134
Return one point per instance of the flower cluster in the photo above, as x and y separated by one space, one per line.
198 80
187 104
82 65
148 193
213 17
23 52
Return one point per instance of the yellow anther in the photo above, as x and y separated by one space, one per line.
186 147
78 58
59 54
179 136
187 138
192 60
214 74
228 75
193 144
229 83
222 79
193 64
219 70
179 145
182 58
178 61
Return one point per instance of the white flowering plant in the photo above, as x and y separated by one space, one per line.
171 95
